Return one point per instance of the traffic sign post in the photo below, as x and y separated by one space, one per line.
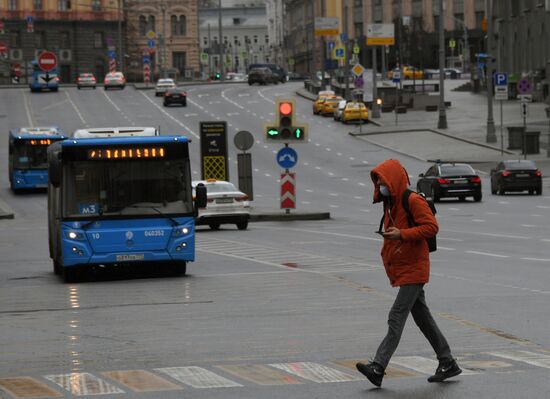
244 141
47 61
287 157
501 93
288 191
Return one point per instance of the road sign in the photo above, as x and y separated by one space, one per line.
343 37
150 43
524 86
501 79
47 61
452 43
326 26
380 34
358 82
150 34
3 48
243 140
288 191
204 58
331 45
287 157
356 49
501 93
340 52
111 54
396 76
525 98
358 70
146 59
214 164
368 85
112 65
524 110
291 61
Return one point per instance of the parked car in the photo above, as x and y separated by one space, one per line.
262 76
225 205
330 105
163 85
176 95
114 79
450 180
409 72
321 97
516 175
86 80
339 111
355 111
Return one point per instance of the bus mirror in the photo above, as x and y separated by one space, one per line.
200 198
54 171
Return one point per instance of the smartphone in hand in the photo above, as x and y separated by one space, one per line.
380 232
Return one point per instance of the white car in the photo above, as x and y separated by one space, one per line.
114 79
163 85
339 111
225 205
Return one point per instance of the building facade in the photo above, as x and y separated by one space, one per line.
419 21
166 32
244 41
275 30
81 34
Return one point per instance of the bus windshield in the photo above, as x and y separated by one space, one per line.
126 187
27 156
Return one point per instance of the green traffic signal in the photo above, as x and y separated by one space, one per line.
298 133
272 132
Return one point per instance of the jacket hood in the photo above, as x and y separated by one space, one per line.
393 175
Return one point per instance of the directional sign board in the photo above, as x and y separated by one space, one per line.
380 34
396 77
214 163
287 157
47 61
326 26
288 191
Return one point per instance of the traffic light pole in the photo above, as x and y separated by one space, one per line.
220 41
491 135
375 106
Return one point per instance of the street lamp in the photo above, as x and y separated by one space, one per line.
442 122
491 134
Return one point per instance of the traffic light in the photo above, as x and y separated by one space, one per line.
217 76
285 127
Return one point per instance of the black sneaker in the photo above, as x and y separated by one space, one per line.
445 370
373 371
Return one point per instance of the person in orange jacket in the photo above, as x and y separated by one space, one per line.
406 259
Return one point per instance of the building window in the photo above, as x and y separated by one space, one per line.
459 17
39 40
255 39
235 40
178 25
178 61
98 39
142 25
151 24
358 3
37 5
15 39
96 5
266 39
65 39
64 5
12 5
236 21
205 41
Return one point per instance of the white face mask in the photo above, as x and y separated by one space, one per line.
384 191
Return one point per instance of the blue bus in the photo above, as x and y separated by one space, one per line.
28 159
40 80
121 201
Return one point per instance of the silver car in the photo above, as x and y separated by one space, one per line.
86 80
163 85
114 79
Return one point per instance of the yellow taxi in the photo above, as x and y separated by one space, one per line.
330 104
409 72
355 111
321 97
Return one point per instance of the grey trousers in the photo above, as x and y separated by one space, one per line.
410 298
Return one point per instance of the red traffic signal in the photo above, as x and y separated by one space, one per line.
285 108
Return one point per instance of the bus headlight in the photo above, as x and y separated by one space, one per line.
72 235
75 235
181 231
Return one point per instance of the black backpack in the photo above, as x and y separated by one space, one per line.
432 241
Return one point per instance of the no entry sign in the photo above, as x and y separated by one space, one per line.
47 61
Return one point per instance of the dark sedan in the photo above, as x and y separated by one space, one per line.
457 180
516 175
175 96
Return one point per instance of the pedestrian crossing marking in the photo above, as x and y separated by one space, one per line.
141 381
83 384
532 358
197 377
391 372
315 372
423 365
259 374
27 387
484 364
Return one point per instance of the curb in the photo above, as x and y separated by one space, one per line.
5 211
284 217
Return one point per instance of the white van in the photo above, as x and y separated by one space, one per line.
115 132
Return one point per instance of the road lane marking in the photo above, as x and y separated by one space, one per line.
528 225
80 384
30 118
422 365
450 239
169 116
543 207
446 248
76 109
532 358
54 105
264 97
141 381
454 209
189 115
315 372
536 259
478 220
197 377
487 234
259 374
389 372
110 101
487 254
27 387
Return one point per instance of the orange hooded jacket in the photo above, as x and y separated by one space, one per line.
406 261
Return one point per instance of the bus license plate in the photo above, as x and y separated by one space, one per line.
126 258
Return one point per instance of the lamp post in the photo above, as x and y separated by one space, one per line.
220 42
442 122
491 134
119 33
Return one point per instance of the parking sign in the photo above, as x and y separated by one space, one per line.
501 79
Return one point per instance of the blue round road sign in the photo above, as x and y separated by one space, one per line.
287 157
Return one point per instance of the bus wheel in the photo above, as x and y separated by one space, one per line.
180 268
70 274
56 267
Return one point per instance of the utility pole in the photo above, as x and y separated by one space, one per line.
375 106
220 42
120 53
442 122
209 52
491 134
323 50
346 53
163 44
